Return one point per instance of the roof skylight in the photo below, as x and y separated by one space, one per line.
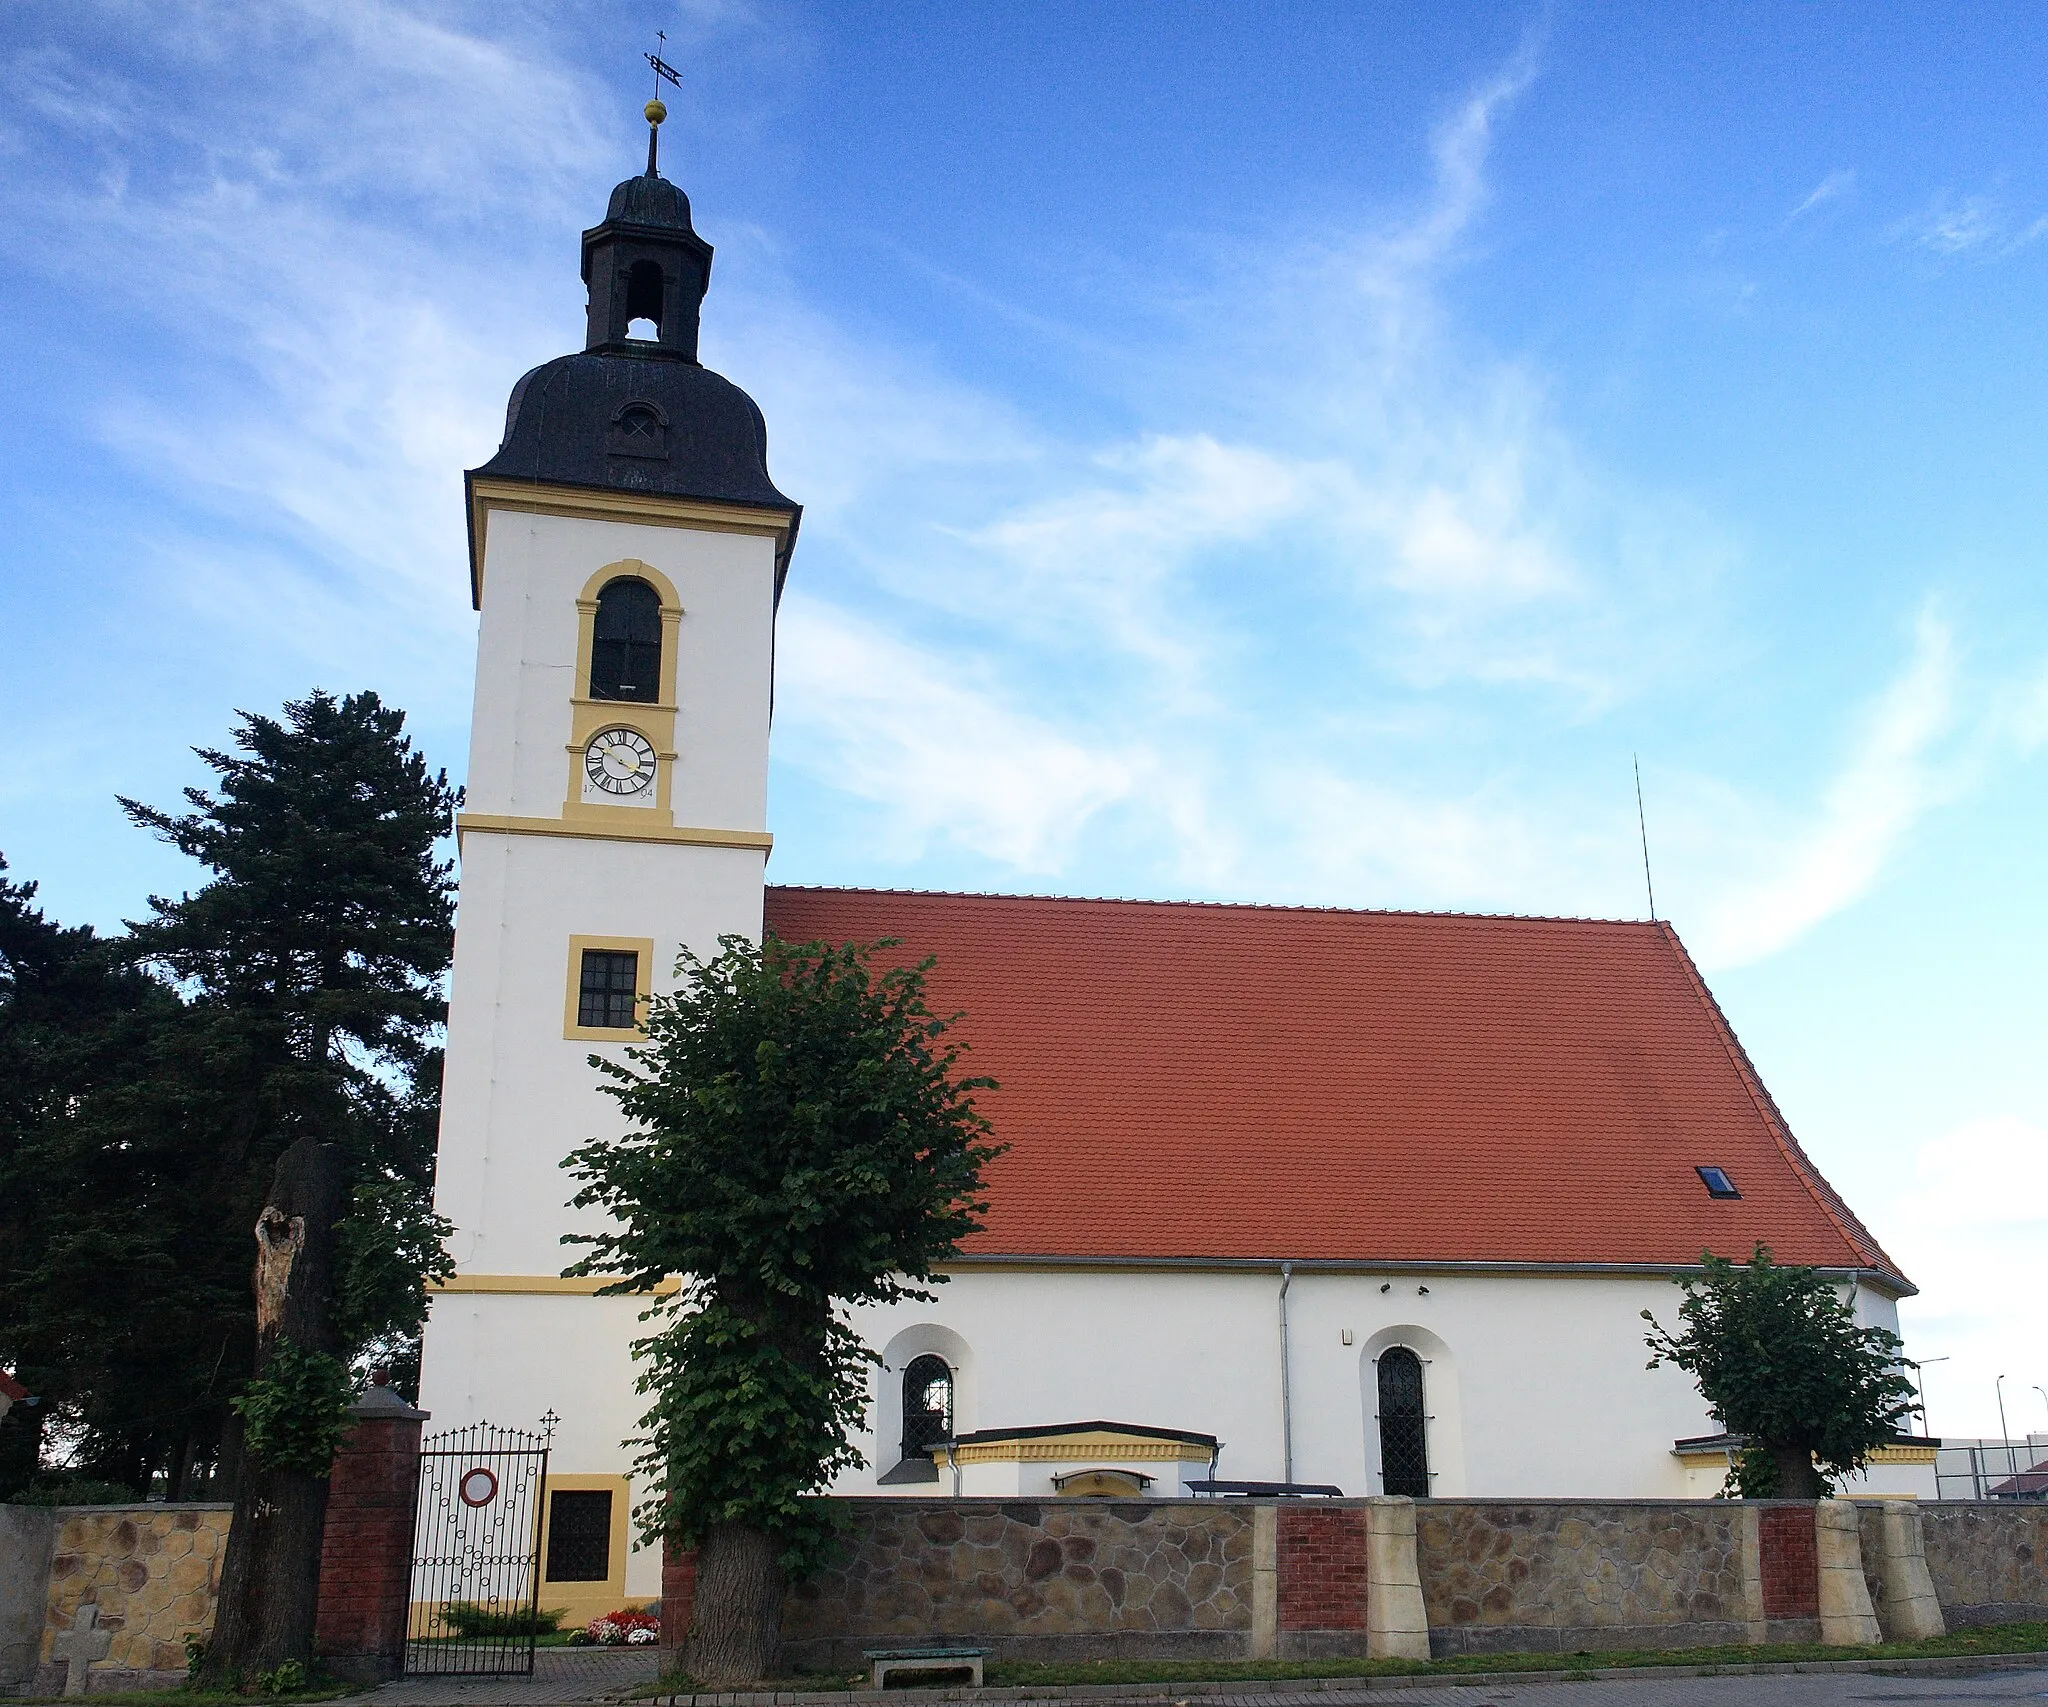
1717 1182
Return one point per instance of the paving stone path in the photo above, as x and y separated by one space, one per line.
581 1675
559 1674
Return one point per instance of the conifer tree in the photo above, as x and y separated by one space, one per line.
311 967
82 1243
801 1139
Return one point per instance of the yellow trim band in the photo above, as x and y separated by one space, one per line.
1069 1447
504 824
543 1285
583 504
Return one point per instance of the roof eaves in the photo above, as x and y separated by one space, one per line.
1375 1265
1216 906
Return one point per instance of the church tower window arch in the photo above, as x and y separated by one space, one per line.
626 642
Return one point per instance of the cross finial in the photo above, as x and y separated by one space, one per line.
657 110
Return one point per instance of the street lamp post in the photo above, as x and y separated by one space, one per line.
2004 1430
1926 1428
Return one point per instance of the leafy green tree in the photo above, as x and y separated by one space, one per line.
1778 1355
800 1139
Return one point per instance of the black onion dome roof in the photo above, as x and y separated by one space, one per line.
572 422
650 200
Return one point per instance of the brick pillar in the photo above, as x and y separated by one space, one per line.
1320 1554
366 1552
1788 1563
678 1594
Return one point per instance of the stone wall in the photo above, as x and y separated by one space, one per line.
1989 1561
1083 1579
127 1585
1584 1575
1238 1579
115 1590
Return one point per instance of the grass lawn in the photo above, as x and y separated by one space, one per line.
185 1697
1964 1644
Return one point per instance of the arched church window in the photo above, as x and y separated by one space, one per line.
927 1404
1404 1428
625 643
643 297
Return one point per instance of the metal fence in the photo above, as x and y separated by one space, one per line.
476 1558
1992 1469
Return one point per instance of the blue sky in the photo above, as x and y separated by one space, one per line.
1291 453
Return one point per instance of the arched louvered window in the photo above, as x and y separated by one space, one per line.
1404 1428
927 1404
625 646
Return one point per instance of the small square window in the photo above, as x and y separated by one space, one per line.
1717 1182
608 996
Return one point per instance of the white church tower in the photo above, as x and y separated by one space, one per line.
627 550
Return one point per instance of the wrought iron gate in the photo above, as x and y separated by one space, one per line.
476 1552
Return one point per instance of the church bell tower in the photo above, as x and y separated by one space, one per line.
627 552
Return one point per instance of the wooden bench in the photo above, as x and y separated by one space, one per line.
888 1660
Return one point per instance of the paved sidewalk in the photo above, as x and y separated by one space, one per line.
559 1674
584 1675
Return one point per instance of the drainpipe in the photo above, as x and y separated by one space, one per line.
1286 1386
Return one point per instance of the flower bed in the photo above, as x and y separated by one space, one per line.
630 1628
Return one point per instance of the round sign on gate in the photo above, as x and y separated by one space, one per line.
478 1486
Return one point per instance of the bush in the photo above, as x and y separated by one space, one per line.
63 1490
466 1618
295 1414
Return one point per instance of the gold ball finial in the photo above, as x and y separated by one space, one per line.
656 112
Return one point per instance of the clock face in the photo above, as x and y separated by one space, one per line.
620 761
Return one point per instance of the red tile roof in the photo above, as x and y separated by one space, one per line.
1184 1080
13 1390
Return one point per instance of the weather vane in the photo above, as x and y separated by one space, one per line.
657 110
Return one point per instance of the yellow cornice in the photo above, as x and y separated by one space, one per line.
583 503
1083 1443
611 830
542 1285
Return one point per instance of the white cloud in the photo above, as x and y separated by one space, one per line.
936 742
1968 1220
1968 225
1835 185
1893 776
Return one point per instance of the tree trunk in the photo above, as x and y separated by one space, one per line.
270 1579
1797 1478
178 1471
736 1620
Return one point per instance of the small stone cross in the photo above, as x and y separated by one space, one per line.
80 1645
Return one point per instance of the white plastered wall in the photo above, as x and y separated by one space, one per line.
1534 1384
518 1095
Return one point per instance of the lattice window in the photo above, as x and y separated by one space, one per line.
927 1404
579 1535
1404 1428
608 994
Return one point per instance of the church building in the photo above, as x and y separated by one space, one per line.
1358 1201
